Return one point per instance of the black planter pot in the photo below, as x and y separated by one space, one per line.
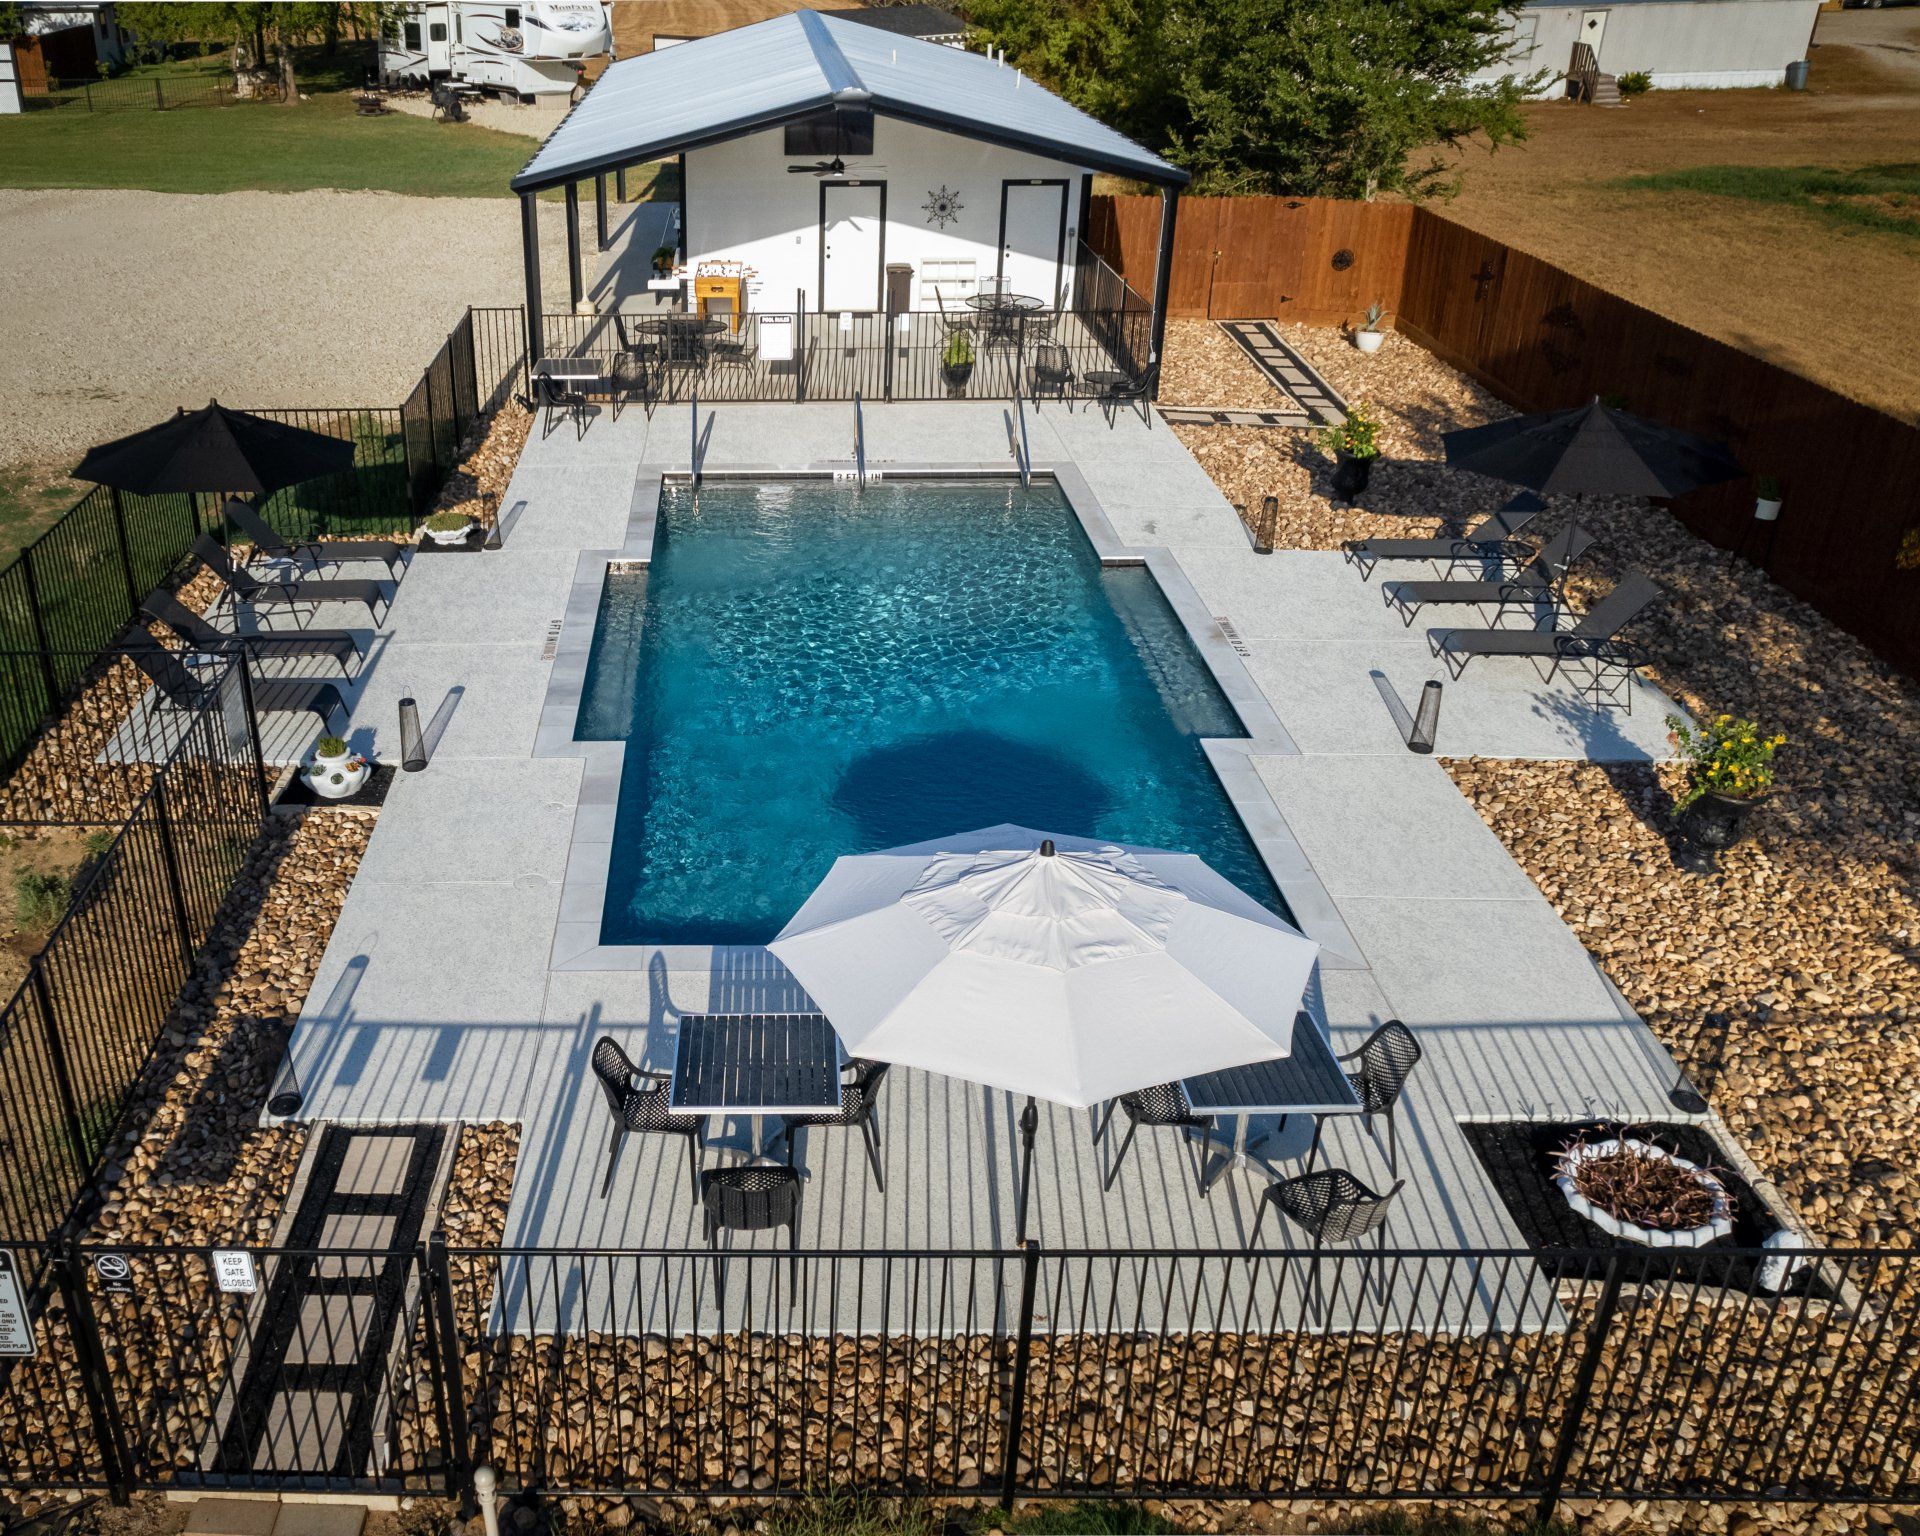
1715 821
1350 476
955 375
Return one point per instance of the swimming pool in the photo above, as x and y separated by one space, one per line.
808 669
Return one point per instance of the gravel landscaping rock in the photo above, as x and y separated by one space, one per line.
151 300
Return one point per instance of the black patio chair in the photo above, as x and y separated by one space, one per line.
1537 582
1334 1207
277 695
1387 1058
857 1099
1050 371
1162 1106
269 542
340 644
1489 539
644 1109
272 591
759 1197
1132 390
558 397
950 321
1631 596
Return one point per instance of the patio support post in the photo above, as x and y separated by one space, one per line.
530 260
600 209
620 183
575 286
1163 276
1029 1123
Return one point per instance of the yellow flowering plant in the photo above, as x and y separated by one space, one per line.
1727 756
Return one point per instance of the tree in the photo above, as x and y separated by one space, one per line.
1336 98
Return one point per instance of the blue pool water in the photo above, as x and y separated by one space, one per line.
808 670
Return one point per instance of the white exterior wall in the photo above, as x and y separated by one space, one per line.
741 204
1685 44
9 81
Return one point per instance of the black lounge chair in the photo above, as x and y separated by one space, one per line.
1603 622
1489 539
340 644
271 591
645 1109
317 551
1535 582
759 1197
272 695
1162 1106
857 1099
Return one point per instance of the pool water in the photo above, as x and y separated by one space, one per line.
810 669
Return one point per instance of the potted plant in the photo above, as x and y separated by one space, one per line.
1766 498
956 360
1355 444
335 771
448 527
1644 1193
1369 336
663 260
1729 771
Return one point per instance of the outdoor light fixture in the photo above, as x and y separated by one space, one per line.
1426 719
413 751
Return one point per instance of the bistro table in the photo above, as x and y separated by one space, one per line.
756 1064
1309 1081
1002 313
581 376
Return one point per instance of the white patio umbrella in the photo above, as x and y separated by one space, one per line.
1062 968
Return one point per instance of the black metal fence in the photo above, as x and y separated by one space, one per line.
143 93
176 793
1221 1374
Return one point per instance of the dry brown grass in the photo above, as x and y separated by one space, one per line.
1783 283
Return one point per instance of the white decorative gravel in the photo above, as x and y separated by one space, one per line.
123 305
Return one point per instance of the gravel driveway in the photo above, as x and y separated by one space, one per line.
123 305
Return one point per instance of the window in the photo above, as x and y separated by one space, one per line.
413 37
835 131
513 18
437 32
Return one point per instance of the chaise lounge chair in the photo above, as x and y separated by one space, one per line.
340 644
265 592
181 689
388 552
1535 582
1487 540
1630 596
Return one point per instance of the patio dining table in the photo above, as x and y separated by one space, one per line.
756 1064
1309 1081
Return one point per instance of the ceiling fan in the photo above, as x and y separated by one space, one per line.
834 167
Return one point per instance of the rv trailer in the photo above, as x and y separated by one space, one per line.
535 49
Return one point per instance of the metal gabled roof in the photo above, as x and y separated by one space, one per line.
720 87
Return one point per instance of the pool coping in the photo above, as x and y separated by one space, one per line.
576 938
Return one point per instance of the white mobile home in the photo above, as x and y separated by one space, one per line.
1682 44
838 168
535 49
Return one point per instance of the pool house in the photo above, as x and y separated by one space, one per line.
857 212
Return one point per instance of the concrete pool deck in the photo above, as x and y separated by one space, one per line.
439 998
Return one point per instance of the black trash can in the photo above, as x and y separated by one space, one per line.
1797 75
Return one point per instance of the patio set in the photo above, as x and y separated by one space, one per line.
1130 981
1594 450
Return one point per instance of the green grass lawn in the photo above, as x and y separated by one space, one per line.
258 147
1878 197
31 497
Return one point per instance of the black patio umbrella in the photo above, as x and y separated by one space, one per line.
215 449
1591 450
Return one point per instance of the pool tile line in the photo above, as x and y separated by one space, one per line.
576 939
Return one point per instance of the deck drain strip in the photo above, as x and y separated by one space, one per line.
1229 416
316 1359
1286 369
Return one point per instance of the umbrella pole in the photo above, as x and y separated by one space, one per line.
1029 1123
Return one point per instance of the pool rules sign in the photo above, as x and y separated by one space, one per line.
16 1328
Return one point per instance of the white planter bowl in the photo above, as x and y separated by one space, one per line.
1369 341
1766 508
319 775
452 536
1651 1237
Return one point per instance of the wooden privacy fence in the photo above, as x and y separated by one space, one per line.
1540 338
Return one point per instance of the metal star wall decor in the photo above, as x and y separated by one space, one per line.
943 207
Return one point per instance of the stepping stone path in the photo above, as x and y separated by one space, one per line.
1222 416
1287 370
